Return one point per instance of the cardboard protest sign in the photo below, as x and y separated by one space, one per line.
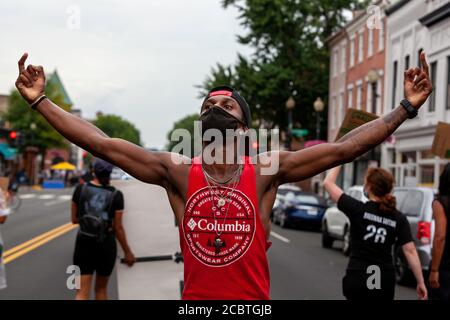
441 141
353 119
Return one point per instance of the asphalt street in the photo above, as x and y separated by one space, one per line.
41 273
300 267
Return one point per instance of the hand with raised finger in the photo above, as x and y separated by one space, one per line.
417 84
31 80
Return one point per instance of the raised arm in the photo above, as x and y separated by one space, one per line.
150 167
300 165
330 185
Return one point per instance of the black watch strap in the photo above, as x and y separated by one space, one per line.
412 112
37 101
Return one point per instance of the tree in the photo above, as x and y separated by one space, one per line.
20 116
187 123
290 56
117 127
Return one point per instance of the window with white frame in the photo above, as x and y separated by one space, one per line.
350 97
335 62
360 46
341 107
370 43
343 55
369 97
381 37
352 52
432 99
358 96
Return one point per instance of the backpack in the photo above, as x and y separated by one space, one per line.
94 206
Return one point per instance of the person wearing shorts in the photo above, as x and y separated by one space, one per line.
91 255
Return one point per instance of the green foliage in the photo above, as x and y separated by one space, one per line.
21 117
184 123
117 127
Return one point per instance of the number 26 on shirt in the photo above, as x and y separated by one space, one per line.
379 234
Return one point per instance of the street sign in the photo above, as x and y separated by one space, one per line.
300 132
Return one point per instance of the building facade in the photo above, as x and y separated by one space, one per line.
355 51
414 26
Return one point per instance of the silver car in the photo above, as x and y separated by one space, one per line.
416 204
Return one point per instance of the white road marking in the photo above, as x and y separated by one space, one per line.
47 196
50 203
27 196
61 199
279 237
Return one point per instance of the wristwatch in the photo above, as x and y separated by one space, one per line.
412 112
34 104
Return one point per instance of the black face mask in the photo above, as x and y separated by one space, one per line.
218 118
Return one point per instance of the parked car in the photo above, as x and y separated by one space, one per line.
300 208
119 174
414 202
336 225
281 193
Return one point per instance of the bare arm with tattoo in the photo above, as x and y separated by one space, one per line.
299 165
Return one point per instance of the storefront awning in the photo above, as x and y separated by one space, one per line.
8 152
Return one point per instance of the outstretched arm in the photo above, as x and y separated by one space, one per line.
300 165
150 167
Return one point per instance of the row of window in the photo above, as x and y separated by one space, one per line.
433 73
339 106
360 44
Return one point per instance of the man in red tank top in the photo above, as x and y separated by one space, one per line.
223 208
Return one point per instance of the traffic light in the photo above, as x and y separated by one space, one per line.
16 138
13 138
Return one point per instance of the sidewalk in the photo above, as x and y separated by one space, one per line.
150 229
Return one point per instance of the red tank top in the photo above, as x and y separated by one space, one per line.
236 266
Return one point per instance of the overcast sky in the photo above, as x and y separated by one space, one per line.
138 59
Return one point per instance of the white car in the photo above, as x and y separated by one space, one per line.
336 225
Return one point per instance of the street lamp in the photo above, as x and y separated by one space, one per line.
32 129
373 78
290 105
318 107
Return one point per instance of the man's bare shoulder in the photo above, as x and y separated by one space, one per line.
174 161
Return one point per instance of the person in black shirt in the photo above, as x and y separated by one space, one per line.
97 252
375 226
439 278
